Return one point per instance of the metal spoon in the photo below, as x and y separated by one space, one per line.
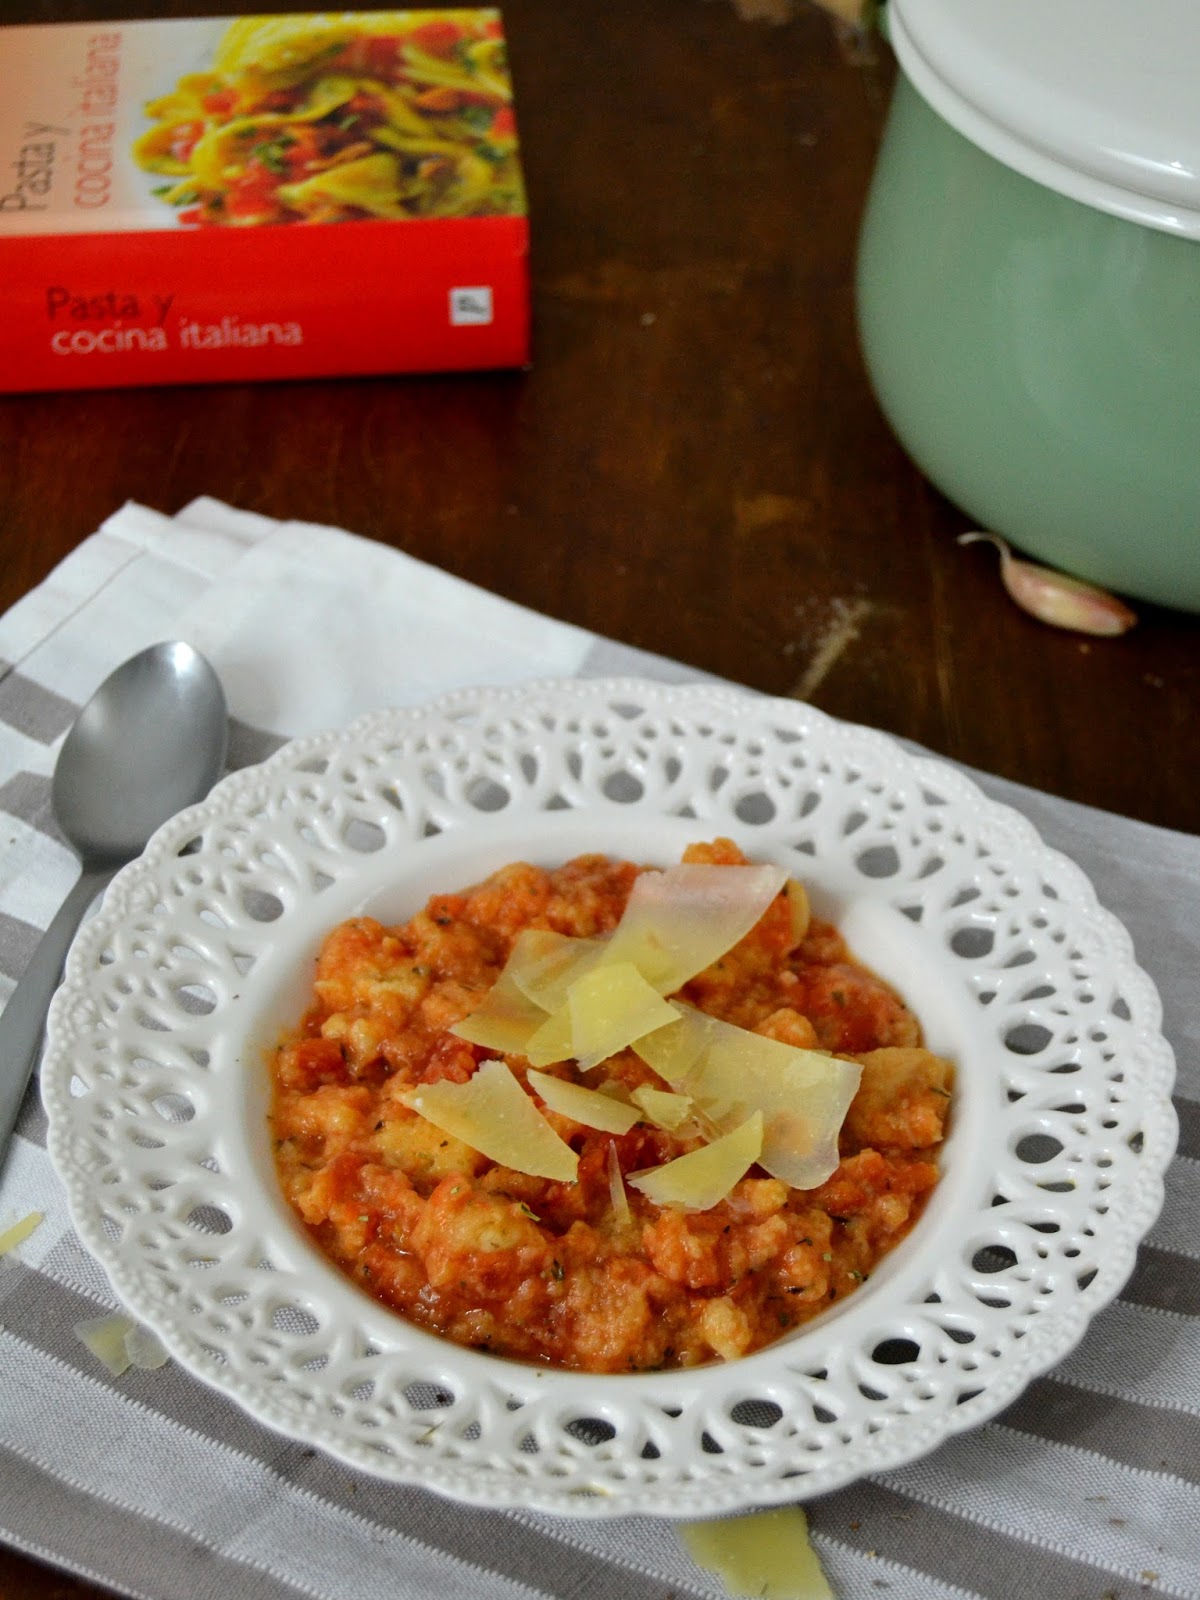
149 742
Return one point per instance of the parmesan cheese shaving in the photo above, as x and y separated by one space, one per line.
701 1179
729 1072
803 1096
533 985
610 1007
616 1186
506 1021
19 1232
105 1338
552 1041
493 1114
545 964
674 1049
588 1106
801 913
662 1107
118 1343
145 1349
679 921
767 1554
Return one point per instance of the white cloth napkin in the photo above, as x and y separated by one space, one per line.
155 1485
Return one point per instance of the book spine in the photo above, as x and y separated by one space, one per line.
213 305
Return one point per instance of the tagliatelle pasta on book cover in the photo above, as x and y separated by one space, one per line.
174 197
332 119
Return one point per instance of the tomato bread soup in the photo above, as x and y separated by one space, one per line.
606 1117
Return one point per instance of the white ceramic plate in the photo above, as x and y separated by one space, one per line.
1061 1123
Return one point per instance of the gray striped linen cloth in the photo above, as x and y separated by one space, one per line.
1087 1488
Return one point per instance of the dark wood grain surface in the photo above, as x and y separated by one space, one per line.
694 464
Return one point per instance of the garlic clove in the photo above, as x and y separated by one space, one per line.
1055 598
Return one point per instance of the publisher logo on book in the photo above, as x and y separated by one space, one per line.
471 308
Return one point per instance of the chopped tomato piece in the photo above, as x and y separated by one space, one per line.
439 99
375 58
252 195
187 134
220 102
382 57
504 124
303 148
436 38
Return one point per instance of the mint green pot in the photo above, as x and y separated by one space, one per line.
1038 359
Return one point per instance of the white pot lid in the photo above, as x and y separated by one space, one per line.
1097 99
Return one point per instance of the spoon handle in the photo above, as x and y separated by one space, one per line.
24 1016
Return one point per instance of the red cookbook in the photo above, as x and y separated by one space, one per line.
210 200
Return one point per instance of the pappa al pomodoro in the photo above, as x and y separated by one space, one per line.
336 117
607 1117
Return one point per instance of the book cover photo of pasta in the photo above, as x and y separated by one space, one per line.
178 196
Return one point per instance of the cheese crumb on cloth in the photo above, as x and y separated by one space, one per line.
154 1485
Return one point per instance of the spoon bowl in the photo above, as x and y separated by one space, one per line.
149 742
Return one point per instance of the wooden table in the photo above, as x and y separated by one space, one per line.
695 463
